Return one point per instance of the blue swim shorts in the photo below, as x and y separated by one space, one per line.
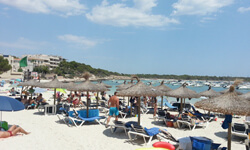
113 110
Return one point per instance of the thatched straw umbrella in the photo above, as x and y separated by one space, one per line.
227 90
118 86
88 86
55 83
162 87
209 93
101 84
183 92
32 83
139 89
125 86
245 96
229 103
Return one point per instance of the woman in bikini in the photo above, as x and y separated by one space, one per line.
13 130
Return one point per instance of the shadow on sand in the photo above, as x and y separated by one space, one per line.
223 135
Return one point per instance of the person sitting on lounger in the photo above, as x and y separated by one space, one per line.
13 130
40 100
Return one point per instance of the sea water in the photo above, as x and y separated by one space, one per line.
199 89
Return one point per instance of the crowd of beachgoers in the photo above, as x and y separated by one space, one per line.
61 130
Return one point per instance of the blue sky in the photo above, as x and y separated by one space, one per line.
194 37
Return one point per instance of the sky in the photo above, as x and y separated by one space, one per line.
194 37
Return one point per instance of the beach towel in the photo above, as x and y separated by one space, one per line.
228 119
152 131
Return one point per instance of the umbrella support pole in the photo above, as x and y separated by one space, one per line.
131 109
181 106
229 136
97 100
161 102
54 96
139 111
87 104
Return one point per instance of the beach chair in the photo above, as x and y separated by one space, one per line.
119 124
143 132
202 116
192 123
170 107
167 137
239 129
90 119
192 143
69 118
161 115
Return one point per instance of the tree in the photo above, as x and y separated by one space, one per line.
20 70
4 65
41 69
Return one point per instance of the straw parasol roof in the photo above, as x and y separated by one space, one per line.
55 83
103 84
210 93
118 86
245 96
125 86
69 85
183 92
162 87
228 103
227 90
88 86
139 89
33 83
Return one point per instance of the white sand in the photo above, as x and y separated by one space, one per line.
48 133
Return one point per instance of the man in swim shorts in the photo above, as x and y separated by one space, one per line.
113 104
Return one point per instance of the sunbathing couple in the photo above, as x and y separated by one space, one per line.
13 130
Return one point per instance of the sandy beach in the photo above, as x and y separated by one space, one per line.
47 132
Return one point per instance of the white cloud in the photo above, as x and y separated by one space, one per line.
60 7
243 9
23 43
199 7
120 14
80 40
206 19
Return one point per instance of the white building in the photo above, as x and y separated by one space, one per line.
45 60
33 61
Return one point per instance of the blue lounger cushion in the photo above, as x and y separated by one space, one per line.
91 118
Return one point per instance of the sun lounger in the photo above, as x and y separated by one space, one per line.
239 129
194 143
89 119
143 132
161 115
119 124
170 106
69 119
192 124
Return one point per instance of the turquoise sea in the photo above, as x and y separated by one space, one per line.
199 89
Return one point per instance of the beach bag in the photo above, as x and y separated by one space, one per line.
4 125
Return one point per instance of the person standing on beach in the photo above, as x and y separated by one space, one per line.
113 105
